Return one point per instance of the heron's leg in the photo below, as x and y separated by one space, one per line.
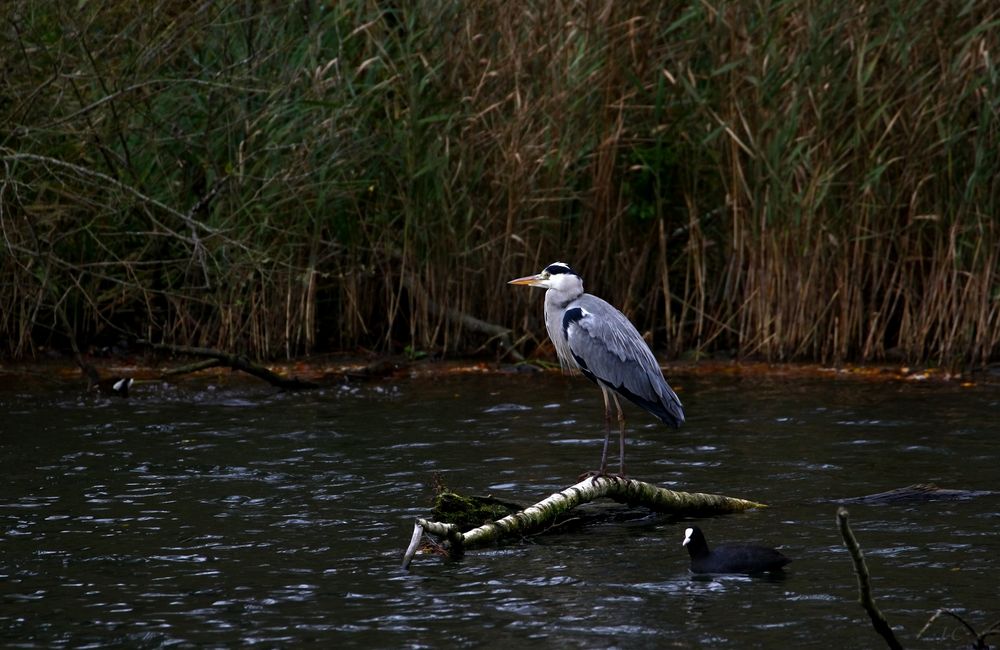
621 435
607 430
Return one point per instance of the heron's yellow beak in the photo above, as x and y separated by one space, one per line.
529 280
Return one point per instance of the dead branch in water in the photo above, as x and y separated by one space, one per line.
918 492
865 596
234 361
543 513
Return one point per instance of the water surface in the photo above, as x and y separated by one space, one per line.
231 515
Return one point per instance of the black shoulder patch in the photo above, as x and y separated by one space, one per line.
571 316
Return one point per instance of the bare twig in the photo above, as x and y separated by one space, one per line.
128 189
865 596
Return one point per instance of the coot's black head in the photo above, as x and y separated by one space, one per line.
695 542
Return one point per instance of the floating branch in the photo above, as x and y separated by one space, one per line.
865 596
544 513
234 361
919 492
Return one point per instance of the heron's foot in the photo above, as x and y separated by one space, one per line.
595 474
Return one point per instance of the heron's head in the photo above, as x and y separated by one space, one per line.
558 276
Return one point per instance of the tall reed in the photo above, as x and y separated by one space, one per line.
781 180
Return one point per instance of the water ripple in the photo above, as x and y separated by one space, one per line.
228 516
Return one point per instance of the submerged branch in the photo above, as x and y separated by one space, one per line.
865 596
193 367
537 517
234 361
918 492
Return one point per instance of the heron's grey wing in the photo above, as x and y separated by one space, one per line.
607 346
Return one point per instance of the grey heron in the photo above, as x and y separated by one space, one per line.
598 340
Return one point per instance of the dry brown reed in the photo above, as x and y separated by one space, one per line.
779 180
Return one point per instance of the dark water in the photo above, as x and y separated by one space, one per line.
231 515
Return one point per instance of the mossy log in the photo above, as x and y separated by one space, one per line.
467 512
544 513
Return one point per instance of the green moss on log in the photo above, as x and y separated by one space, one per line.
468 512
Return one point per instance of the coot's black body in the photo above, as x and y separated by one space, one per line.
730 558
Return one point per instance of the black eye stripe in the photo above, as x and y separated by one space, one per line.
559 268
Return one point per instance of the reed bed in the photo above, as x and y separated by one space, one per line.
778 180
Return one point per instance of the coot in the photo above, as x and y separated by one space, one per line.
109 386
730 558
115 386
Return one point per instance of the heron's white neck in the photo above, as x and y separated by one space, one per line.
563 288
